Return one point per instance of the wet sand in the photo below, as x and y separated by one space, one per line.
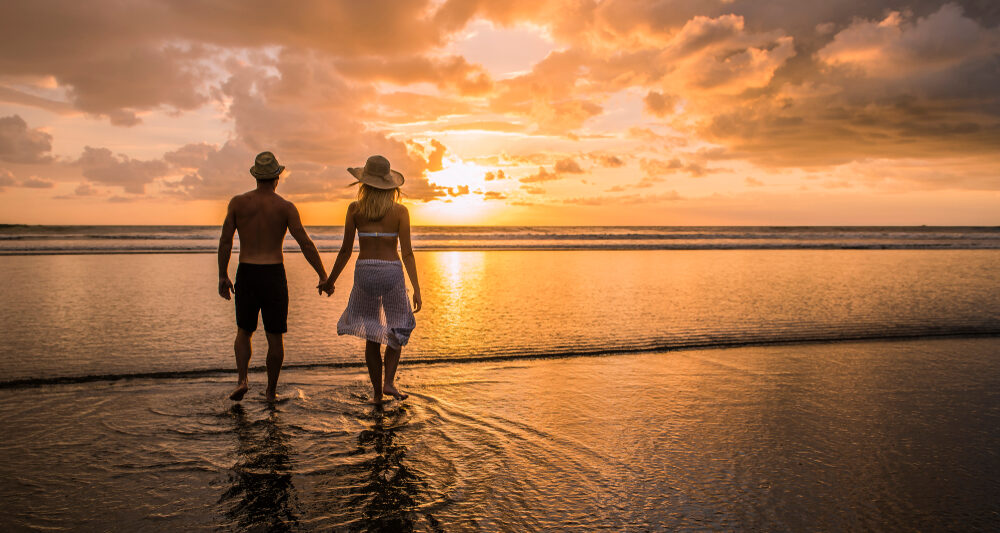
839 436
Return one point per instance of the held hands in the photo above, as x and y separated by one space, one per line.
325 285
225 287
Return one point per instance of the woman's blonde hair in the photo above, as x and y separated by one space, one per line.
375 203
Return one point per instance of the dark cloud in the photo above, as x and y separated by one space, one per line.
568 166
37 183
660 104
84 189
19 144
895 85
654 169
101 166
540 176
118 59
606 160
219 172
191 155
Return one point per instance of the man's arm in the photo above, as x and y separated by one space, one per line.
346 249
305 243
226 251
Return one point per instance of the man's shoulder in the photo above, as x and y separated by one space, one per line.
239 199
285 204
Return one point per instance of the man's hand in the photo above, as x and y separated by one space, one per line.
417 302
225 287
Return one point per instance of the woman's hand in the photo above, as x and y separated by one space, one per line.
417 303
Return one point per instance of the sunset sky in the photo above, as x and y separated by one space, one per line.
517 112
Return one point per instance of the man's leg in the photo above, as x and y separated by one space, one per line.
242 349
275 356
373 358
391 362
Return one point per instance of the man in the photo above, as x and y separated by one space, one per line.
261 218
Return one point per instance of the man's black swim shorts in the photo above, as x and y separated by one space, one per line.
263 289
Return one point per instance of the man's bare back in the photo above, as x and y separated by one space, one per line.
261 218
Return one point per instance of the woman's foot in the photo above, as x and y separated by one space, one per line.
391 390
239 391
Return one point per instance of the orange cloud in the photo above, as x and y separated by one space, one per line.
18 144
540 176
101 166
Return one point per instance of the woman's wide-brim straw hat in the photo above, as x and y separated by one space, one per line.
266 167
376 173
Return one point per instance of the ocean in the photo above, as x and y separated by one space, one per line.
20 239
561 378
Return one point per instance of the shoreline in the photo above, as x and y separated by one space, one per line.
260 369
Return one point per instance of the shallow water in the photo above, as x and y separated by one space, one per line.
842 436
122 315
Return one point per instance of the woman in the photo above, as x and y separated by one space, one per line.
378 310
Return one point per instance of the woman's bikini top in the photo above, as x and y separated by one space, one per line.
375 234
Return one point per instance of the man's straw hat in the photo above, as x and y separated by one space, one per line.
266 167
376 173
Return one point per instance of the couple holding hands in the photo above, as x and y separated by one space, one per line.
378 309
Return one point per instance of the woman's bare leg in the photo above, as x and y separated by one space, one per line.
391 363
373 358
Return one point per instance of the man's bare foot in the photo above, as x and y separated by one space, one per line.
239 392
391 390
270 395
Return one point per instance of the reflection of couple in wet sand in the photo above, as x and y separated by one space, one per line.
378 309
377 491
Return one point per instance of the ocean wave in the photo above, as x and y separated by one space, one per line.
541 246
699 342
550 236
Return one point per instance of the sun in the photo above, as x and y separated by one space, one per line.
463 202
457 173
